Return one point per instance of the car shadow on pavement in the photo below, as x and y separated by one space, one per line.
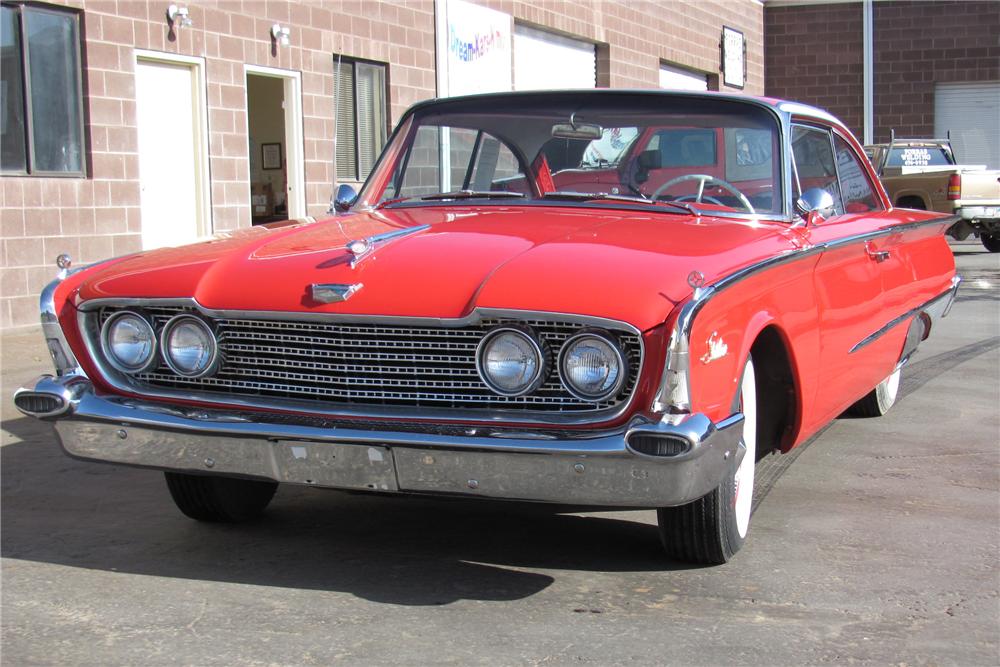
394 549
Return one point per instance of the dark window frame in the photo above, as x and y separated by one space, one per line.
341 60
29 142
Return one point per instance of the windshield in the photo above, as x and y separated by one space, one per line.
704 154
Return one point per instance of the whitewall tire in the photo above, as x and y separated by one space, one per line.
712 529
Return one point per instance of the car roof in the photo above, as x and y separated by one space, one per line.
779 106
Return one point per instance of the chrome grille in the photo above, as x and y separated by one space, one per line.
340 363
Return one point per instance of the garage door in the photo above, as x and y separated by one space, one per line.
971 111
677 78
546 60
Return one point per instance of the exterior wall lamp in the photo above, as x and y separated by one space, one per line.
178 16
280 34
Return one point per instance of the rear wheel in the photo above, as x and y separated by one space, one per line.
712 529
878 401
991 242
219 499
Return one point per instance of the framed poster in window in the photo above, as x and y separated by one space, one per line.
734 57
270 156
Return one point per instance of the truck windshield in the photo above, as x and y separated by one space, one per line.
918 156
627 150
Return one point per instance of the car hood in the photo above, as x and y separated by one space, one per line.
630 265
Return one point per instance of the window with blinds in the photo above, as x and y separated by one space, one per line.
360 99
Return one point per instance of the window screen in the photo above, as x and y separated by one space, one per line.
360 99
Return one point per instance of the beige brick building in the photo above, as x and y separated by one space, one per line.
98 161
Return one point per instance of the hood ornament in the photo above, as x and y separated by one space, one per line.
333 292
361 248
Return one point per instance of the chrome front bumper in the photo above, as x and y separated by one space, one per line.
565 467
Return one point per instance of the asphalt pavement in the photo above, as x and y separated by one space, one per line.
876 542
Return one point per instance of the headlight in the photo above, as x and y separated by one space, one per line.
189 346
510 362
592 366
128 342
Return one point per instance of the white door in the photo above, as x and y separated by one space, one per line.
544 60
971 111
170 153
678 78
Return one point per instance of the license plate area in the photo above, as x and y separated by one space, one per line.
345 466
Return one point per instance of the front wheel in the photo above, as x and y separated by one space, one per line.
991 242
712 529
219 499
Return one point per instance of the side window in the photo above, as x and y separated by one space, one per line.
479 161
857 190
815 164
41 109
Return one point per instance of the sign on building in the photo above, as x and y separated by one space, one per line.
473 49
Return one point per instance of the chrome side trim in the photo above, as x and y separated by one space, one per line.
424 414
939 306
674 392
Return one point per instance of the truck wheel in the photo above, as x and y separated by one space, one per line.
991 242
219 499
878 401
712 529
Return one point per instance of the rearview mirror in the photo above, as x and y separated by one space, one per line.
589 131
815 203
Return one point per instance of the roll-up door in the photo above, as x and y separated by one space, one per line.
971 111
677 78
544 60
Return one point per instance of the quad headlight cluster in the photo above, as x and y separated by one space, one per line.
514 361
186 343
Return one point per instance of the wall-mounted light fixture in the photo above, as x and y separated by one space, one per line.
280 34
178 16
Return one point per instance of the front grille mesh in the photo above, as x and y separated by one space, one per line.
373 365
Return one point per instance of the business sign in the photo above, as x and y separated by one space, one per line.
473 49
734 58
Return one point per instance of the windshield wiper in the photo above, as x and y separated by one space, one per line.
604 196
474 194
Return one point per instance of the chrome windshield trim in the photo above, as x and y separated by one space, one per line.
541 418
601 204
678 360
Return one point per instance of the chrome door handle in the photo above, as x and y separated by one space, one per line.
877 255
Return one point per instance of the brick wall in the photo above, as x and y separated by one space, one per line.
814 54
98 217
919 44
636 35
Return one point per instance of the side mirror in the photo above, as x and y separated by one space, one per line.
345 198
815 204
650 159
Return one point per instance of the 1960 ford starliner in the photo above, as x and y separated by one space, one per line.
603 298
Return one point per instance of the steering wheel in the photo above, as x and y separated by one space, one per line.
704 179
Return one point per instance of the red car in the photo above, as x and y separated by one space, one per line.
604 298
